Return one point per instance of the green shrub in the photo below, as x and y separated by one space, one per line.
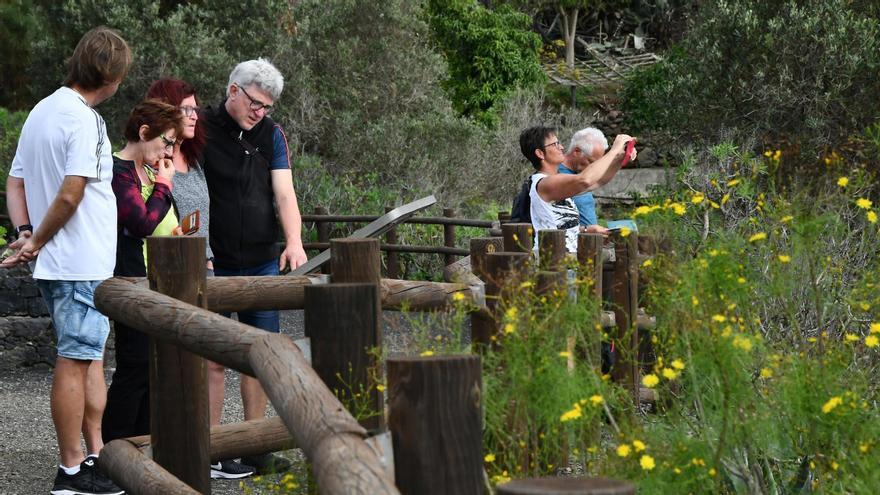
803 72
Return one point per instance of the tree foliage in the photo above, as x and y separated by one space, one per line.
489 52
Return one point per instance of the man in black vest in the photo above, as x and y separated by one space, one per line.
247 166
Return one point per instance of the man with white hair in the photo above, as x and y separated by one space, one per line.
247 167
586 146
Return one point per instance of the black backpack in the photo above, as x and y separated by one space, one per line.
522 204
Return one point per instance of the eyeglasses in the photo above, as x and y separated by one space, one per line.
169 143
189 110
554 143
257 105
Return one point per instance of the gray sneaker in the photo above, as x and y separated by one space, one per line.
230 470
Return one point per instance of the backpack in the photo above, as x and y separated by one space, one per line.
522 204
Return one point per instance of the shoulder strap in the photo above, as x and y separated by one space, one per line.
248 147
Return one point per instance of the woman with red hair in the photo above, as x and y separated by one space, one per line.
191 195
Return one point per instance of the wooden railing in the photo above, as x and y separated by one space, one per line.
174 306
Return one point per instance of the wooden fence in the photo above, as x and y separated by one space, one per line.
434 403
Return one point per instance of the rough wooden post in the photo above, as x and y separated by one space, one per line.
449 236
355 260
518 237
551 249
590 260
504 216
483 325
340 320
138 474
624 299
567 486
502 269
435 424
323 229
391 262
179 419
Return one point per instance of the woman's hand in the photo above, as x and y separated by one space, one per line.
165 167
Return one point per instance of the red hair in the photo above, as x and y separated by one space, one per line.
174 91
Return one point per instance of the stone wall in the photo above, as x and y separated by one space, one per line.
26 334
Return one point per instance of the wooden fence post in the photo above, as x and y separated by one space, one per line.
518 237
483 325
624 299
504 216
340 320
449 236
179 419
567 486
392 264
357 261
323 229
551 249
435 405
590 260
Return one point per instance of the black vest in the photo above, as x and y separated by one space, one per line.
243 230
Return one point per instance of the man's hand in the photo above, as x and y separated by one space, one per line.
293 256
23 250
596 229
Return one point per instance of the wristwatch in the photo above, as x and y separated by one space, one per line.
24 228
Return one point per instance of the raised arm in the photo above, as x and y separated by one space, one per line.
597 174
138 217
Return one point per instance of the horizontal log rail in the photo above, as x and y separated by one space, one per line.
399 248
244 439
458 222
132 470
230 294
318 422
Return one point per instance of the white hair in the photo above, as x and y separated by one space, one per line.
585 139
261 73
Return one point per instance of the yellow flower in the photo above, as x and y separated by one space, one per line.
872 216
677 364
725 198
719 318
526 284
639 445
458 296
625 232
831 404
741 280
565 354
509 328
669 373
647 462
571 414
697 198
732 182
489 458
784 258
427 353
695 301
865 306
511 312
380 387
712 472
679 209
743 343
760 236
843 181
647 263
872 341
596 399
863 447
875 327
864 203
766 373
650 381
851 337
786 219
623 450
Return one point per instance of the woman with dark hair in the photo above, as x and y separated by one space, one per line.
191 195
142 173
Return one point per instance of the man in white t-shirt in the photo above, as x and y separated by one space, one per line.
551 192
60 200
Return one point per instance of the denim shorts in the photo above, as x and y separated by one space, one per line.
81 329
265 320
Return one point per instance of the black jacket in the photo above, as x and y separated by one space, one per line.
244 229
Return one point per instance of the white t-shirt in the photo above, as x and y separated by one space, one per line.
64 136
560 214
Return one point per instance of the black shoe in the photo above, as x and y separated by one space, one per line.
88 481
230 470
267 463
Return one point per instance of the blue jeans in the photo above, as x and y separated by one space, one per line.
266 320
81 329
